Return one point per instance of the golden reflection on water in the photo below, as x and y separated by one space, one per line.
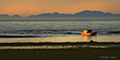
86 38
64 39
48 39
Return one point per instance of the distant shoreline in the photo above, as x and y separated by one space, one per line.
82 14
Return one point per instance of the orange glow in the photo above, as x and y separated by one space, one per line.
33 7
86 38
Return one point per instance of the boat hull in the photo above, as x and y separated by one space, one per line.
86 34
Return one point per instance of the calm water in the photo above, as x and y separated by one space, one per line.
57 27
56 30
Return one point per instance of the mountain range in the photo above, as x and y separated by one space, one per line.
83 14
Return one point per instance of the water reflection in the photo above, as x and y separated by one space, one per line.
86 38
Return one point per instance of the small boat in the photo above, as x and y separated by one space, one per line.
88 33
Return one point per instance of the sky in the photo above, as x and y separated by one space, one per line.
26 8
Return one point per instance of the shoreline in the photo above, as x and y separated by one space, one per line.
60 43
65 45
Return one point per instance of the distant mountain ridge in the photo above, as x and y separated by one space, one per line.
4 15
16 16
83 14
7 16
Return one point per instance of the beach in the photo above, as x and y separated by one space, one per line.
60 42
98 51
63 54
61 48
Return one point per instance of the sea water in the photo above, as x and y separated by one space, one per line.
57 30
57 27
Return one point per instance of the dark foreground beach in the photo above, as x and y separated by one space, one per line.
77 51
61 54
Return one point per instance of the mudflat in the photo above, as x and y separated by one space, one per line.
61 54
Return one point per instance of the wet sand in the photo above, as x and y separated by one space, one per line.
61 54
68 54
65 45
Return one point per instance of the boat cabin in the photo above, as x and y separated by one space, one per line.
87 31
